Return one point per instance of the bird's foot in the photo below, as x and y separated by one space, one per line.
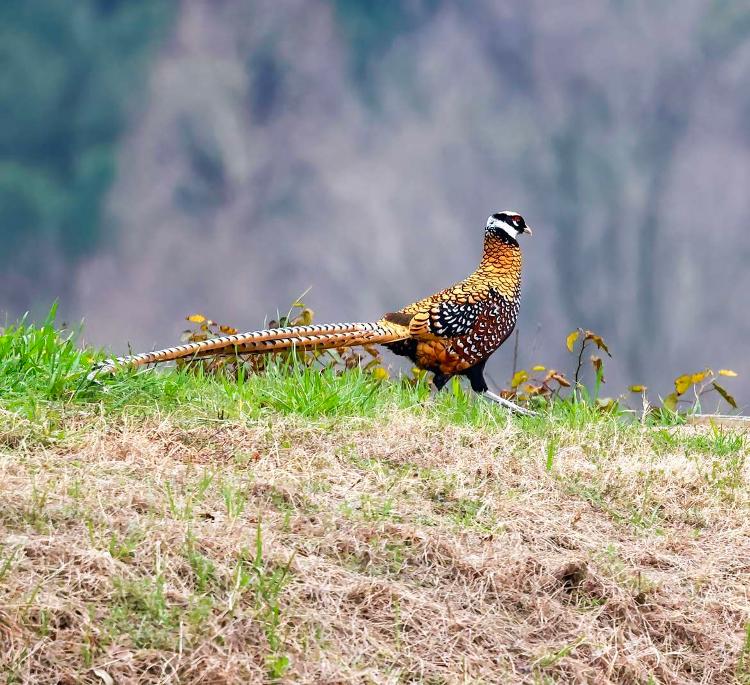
508 404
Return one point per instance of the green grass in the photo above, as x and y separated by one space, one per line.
39 364
43 378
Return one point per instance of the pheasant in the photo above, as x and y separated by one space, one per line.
452 332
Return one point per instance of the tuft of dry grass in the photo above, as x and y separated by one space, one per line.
344 550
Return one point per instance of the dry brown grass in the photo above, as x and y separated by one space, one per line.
415 553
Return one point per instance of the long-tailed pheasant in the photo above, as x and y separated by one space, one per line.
452 332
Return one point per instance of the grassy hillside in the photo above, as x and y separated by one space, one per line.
309 526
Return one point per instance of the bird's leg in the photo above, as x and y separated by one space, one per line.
439 380
476 377
475 374
507 403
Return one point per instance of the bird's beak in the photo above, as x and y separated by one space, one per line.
528 230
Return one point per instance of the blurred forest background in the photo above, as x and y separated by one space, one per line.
159 158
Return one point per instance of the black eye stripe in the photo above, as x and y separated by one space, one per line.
513 219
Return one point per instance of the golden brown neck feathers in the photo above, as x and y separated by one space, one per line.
500 267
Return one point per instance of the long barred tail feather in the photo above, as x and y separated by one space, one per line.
316 336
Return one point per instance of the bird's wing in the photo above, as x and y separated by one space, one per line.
449 317
453 319
401 318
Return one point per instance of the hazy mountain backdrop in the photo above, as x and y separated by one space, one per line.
160 158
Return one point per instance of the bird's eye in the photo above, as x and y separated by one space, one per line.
517 220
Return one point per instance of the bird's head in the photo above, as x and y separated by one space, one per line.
506 224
